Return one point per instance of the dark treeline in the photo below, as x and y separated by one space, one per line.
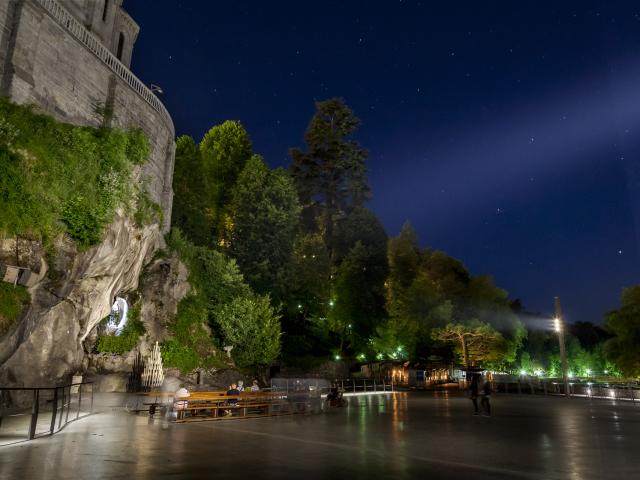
314 258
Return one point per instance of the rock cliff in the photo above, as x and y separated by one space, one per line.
50 341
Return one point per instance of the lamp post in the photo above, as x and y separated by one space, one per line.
559 326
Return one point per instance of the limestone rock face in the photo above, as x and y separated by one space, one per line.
163 283
46 346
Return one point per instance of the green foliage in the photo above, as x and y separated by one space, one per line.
12 301
192 346
311 287
252 326
137 149
203 182
63 178
476 342
191 212
540 353
331 175
147 211
264 211
224 151
217 285
128 338
213 276
624 323
177 355
428 291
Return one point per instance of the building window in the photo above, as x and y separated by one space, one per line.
105 9
120 46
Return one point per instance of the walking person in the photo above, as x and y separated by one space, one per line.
473 394
486 397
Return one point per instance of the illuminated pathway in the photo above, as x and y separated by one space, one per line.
415 435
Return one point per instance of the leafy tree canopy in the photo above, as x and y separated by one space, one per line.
264 211
624 323
331 175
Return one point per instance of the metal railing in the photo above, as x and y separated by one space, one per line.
608 391
348 386
41 410
91 42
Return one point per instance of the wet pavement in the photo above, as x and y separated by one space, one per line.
396 436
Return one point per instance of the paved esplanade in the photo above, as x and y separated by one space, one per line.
414 435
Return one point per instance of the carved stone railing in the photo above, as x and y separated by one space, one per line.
90 41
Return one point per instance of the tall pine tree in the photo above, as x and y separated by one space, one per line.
330 176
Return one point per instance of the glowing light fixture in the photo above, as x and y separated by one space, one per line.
556 324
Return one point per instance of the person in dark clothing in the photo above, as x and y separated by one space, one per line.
232 392
486 405
473 393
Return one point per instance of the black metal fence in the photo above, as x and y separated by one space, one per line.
28 413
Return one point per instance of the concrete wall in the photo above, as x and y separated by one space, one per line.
42 64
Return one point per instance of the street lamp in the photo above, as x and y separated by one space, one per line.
560 327
155 89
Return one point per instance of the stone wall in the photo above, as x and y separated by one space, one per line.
49 59
43 64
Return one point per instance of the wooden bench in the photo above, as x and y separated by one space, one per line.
207 405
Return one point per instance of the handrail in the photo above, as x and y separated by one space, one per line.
95 46
62 402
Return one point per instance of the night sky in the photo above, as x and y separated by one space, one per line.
507 133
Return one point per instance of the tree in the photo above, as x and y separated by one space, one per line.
311 285
477 342
331 175
358 297
252 327
225 149
360 271
264 211
624 323
189 212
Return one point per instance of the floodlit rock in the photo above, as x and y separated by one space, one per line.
47 345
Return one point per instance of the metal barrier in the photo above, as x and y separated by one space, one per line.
348 386
91 42
51 409
608 391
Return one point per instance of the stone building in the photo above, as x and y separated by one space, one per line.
71 58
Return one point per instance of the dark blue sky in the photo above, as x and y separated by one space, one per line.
505 132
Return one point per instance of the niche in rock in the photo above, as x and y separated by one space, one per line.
118 317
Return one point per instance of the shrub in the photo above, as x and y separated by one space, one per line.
58 177
12 301
128 338
252 326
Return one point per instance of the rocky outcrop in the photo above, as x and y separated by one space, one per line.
46 345
163 283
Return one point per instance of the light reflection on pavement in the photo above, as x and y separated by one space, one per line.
402 435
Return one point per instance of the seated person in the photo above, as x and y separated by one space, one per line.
240 386
180 398
233 392
255 387
333 393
